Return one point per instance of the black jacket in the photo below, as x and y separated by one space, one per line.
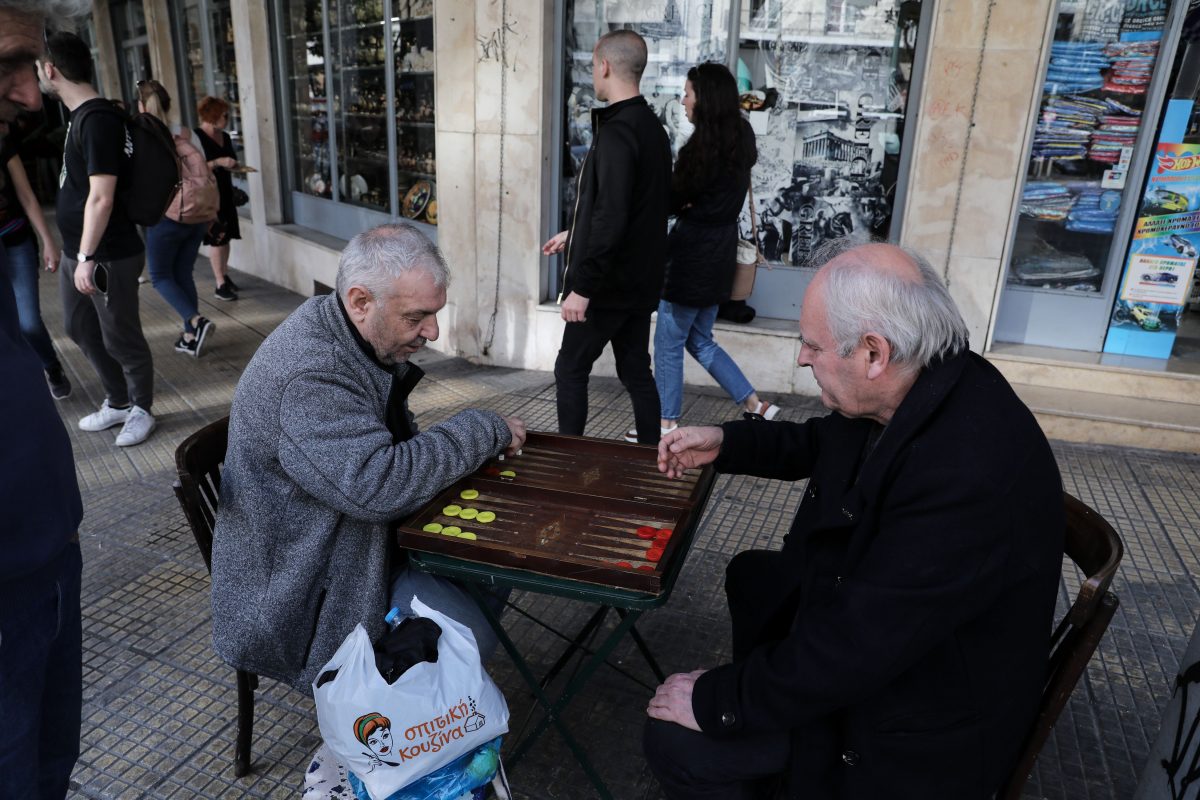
618 240
923 593
702 246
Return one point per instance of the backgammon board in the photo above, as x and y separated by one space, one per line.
569 507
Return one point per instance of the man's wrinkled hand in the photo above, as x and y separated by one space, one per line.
687 448
673 700
574 308
516 427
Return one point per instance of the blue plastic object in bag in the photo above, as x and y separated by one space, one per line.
465 777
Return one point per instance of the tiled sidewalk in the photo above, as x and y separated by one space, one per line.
159 713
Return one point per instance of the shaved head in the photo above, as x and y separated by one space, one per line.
625 52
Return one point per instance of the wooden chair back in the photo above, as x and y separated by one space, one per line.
198 461
1093 545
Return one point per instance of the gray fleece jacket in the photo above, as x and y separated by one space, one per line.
310 483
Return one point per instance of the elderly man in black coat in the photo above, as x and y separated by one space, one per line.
896 646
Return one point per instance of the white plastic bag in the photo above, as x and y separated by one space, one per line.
389 736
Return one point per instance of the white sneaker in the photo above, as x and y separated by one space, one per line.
765 410
632 437
137 427
104 419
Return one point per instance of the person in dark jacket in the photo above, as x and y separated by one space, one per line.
896 646
708 190
617 244
41 641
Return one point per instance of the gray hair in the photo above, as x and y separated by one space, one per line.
625 52
60 15
918 318
375 258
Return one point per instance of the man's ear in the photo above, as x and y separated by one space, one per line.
358 302
878 351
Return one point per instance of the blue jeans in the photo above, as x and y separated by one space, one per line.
171 250
41 684
23 271
684 326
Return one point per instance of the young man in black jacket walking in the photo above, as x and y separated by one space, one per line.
616 247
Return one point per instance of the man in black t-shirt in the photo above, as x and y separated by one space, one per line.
102 252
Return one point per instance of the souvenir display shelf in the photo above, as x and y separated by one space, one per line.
1094 93
380 67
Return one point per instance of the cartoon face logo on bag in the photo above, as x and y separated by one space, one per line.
375 731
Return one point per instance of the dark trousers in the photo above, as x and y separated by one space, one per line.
23 271
108 329
697 766
582 344
41 684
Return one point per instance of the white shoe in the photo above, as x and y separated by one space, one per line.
137 427
765 410
632 438
104 419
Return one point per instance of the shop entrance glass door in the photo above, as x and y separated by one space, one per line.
1093 134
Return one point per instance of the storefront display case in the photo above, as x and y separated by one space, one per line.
825 84
360 81
1092 137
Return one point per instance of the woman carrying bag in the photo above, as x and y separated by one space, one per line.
708 187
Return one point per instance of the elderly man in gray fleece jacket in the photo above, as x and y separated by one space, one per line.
324 454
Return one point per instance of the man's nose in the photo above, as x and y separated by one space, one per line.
23 90
430 329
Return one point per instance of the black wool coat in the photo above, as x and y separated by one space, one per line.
920 598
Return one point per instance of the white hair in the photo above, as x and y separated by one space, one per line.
58 14
918 318
375 258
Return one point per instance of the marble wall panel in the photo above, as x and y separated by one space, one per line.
520 259
995 157
1015 24
973 285
522 57
454 42
456 238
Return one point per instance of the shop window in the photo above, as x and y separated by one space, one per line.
360 111
1095 89
825 84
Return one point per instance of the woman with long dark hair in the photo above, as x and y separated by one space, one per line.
708 188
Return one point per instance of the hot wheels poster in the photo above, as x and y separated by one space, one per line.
1163 251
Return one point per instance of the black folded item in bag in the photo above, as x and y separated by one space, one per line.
414 640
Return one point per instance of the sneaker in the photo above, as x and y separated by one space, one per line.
60 386
182 345
223 292
631 434
765 411
105 418
203 328
137 427
233 287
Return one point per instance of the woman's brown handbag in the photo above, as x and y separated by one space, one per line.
748 259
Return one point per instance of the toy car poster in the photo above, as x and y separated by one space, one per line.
1164 248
